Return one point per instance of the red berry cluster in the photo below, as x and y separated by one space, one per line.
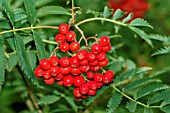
67 39
69 71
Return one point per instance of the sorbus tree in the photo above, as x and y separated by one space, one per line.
64 64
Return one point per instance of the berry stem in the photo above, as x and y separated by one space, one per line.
104 71
82 34
70 54
29 91
98 18
94 37
28 28
54 51
49 42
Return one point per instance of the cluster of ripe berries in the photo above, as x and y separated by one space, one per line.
70 71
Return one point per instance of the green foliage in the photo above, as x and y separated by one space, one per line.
23 59
2 63
118 14
140 22
52 10
31 11
131 106
114 102
163 50
151 89
48 99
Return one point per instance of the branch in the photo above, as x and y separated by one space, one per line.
29 91
98 18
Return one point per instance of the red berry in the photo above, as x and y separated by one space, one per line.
93 85
99 84
110 73
74 61
83 96
96 68
54 71
64 61
63 28
96 48
74 46
59 38
67 80
90 75
38 72
98 77
60 83
92 92
94 63
49 81
75 71
64 47
82 55
46 74
104 41
85 68
65 70
101 56
54 61
78 81
44 64
106 79
104 63
70 36
77 93
84 89
107 48
59 77
91 57
84 62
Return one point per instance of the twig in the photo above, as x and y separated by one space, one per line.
29 91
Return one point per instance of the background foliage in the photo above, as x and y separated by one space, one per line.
132 50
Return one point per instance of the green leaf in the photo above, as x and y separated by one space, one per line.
147 110
72 103
118 14
140 22
48 99
142 34
40 47
4 24
2 63
12 62
164 50
8 11
32 58
114 102
129 17
166 109
99 92
116 66
159 37
107 12
138 83
159 96
166 102
151 89
131 106
52 10
23 59
31 11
